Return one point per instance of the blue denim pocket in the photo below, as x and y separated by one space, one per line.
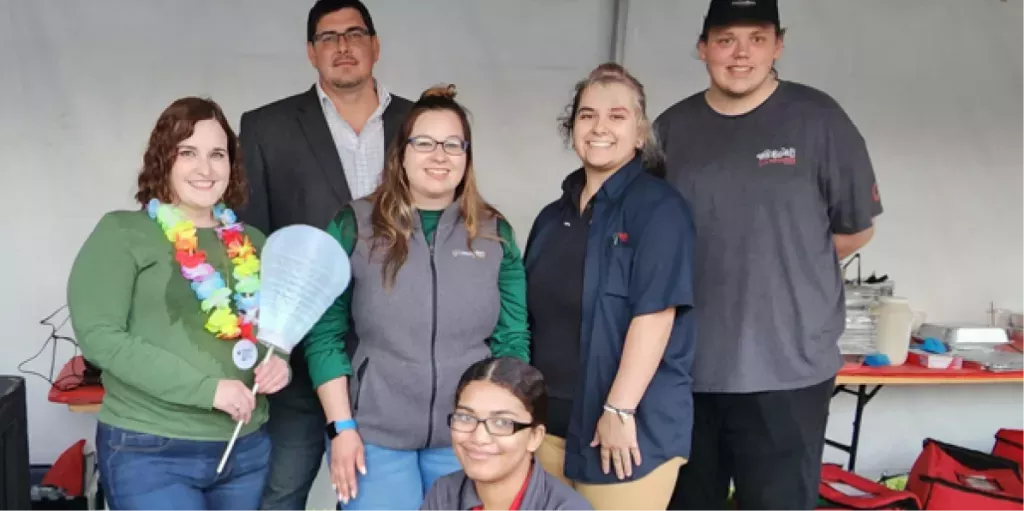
130 441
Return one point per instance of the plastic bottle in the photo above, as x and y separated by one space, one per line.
895 321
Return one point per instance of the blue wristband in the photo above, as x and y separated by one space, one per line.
333 428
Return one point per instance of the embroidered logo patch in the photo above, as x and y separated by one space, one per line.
475 254
780 156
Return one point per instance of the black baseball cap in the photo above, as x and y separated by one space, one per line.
727 12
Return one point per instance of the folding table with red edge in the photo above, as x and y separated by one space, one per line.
856 380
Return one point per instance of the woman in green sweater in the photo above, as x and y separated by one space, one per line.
164 301
437 285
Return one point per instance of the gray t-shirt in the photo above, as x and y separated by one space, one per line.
543 491
768 189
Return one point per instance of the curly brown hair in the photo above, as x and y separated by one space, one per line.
175 124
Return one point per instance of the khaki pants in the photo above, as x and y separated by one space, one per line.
652 491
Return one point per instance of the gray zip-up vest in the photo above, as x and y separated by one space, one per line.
417 338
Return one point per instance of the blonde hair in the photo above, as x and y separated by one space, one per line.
608 73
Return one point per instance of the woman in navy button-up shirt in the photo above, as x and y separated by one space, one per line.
609 294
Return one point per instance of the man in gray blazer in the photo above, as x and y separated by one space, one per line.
306 156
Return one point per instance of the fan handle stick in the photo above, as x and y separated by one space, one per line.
238 427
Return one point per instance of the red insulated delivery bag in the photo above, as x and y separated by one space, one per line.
947 476
1008 445
840 489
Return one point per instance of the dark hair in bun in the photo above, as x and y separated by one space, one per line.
440 91
520 378
393 211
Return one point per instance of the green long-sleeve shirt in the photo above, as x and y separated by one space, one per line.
325 346
135 317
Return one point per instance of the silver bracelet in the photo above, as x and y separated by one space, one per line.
622 413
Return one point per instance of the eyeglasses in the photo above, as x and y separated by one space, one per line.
353 36
496 426
454 146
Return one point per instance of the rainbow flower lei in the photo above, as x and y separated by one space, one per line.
208 283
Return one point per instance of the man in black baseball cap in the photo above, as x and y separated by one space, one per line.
781 188
729 12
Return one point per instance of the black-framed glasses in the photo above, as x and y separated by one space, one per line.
353 36
454 146
496 426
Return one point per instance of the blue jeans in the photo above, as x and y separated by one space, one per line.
142 471
399 479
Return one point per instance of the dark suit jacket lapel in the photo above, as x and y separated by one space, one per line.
393 119
314 126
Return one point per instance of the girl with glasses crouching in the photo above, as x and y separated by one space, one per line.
497 426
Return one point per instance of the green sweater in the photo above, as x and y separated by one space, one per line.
136 317
325 346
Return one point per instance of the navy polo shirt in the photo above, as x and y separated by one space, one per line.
638 261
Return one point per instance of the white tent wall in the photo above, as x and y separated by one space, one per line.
934 85
83 83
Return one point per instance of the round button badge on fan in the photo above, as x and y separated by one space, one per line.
244 354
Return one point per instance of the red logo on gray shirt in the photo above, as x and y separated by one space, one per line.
783 156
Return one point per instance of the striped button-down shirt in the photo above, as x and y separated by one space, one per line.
362 155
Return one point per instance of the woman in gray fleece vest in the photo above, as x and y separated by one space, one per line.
437 285
500 408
